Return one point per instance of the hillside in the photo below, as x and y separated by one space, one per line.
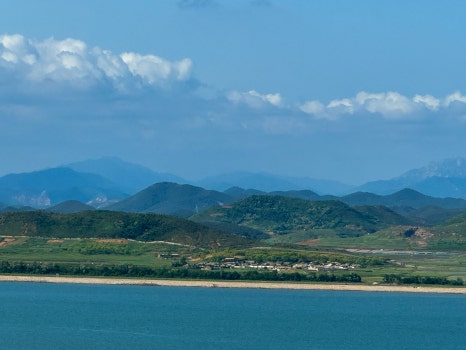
283 215
171 198
238 193
450 235
406 197
68 207
107 224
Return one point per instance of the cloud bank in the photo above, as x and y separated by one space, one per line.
35 65
389 105
72 61
65 98
254 99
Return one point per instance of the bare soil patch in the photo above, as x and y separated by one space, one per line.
112 240
310 242
6 241
55 240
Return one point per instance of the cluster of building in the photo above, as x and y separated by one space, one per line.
235 263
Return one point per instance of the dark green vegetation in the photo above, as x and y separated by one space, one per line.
333 224
107 224
69 207
404 198
277 215
269 237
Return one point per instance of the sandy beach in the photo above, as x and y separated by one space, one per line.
233 284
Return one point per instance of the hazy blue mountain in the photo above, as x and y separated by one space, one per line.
70 206
48 187
269 183
445 178
453 167
240 193
129 177
171 198
404 198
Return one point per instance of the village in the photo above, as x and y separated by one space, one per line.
239 262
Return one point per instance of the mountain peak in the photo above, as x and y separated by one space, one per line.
447 168
446 178
130 177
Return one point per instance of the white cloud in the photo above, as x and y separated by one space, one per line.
344 106
254 99
428 101
455 97
154 69
313 107
72 61
389 105
16 49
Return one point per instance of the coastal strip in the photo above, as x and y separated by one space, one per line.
233 284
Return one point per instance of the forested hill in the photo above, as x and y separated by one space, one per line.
107 224
282 215
172 199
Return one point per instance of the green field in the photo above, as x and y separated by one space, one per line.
370 265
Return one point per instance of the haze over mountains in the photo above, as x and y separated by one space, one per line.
106 181
446 178
129 177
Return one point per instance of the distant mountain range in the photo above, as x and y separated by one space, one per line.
128 177
445 178
51 186
406 197
186 200
104 182
269 183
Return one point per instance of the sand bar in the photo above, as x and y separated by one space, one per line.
232 284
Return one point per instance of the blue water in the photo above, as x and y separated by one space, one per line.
62 316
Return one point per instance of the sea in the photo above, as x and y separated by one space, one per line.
74 316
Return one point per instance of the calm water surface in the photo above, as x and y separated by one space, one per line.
63 316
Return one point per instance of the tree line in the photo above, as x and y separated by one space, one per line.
124 270
398 279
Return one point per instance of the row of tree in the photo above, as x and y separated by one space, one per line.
398 279
142 271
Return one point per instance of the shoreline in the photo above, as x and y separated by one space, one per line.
231 284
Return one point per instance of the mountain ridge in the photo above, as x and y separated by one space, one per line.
446 178
171 198
47 187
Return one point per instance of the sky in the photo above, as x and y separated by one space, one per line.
343 90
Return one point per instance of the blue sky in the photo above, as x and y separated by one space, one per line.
345 90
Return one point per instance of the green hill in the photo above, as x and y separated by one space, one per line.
383 216
283 215
171 198
406 198
107 224
451 234
70 206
